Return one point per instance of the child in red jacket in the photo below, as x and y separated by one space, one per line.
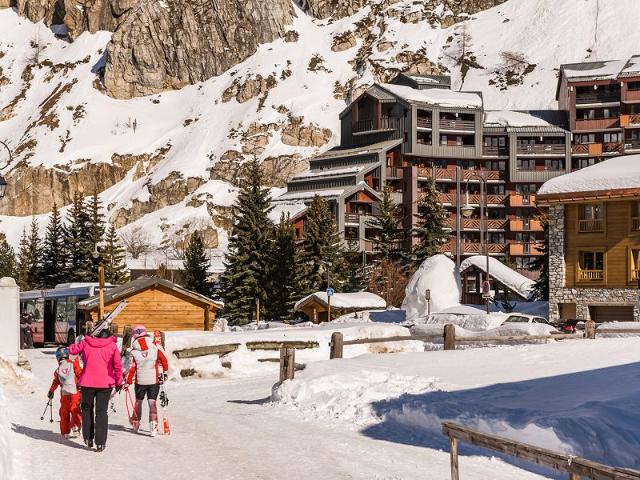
66 377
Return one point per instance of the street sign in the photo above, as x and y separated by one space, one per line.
330 292
486 288
486 296
427 294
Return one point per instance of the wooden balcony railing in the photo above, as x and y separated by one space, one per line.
355 217
464 125
394 172
474 223
495 151
471 175
586 98
450 198
593 149
372 125
596 124
632 95
632 120
613 147
548 149
590 275
473 247
522 200
516 249
635 224
632 145
423 122
522 226
591 226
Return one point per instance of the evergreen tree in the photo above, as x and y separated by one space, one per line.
54 252
249 261
95 231
113 258
80 261
386 223
430 232
196 266
321 254
353 269
541 265
29 259
7 260
283 296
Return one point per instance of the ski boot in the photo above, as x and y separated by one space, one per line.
153 428
100 448
89 443
75 432
136 425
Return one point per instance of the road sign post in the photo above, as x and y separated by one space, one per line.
427 295
330 293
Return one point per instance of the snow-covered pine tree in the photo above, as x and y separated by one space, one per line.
196 266
541 265
321 251
249 260
387 225
7 260
283 293
353 269
80 262
54 251
96 230
29 259
430 231
113 258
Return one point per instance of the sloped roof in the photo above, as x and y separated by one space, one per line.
515 281
332 172
436 96
601 70
526 121
632 68
359 300
374 148
328 193
121 292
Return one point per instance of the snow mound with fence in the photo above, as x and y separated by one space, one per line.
247 361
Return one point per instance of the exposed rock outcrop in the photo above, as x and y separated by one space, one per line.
167 45
331 8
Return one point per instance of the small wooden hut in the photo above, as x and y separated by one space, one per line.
316 305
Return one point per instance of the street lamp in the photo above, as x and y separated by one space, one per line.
468 210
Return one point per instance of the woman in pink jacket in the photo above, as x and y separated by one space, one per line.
102 372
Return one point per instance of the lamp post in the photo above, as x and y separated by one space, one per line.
3 182
468 210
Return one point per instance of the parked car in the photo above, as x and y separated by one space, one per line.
525 318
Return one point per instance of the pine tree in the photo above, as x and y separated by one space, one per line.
386 223
80 261
353 269
196 266
430 232
29 259
96 231
283 296
113 258
541 265
7 260
54 252
321 254
249 261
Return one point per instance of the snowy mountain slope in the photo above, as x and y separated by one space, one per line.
166 162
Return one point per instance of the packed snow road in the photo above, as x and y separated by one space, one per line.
223 429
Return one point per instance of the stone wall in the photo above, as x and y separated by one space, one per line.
582 297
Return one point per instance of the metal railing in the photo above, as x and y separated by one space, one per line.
595 225
372 125
590 275
457 125
542 149
495 151
394 172
583 98
424 122
632 145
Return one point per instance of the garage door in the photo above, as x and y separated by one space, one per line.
611 313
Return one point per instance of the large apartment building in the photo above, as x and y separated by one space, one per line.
415 130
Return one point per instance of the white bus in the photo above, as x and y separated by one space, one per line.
53 312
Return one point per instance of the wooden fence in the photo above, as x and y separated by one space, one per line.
576 467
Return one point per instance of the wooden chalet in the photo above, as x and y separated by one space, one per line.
316 305
156 303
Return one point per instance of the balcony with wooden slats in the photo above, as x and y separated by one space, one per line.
596 98
475 224
375 125
631 96
471 175
552 149
598 124
632 145
495 151
424 122
589 275
595 225
516 200
473 248
522 226
518 249
612 148
450 198
457 125
630 121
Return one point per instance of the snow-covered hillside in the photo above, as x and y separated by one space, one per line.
167 162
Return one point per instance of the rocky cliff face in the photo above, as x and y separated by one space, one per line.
168 45
331 8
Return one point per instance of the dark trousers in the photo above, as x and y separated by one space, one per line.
98 398
151 392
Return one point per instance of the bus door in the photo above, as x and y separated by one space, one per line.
49 321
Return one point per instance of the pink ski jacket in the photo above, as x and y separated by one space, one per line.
102 364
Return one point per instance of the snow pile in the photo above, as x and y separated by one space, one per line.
515 281
6 456
618 326
439 275
614 174
476 321
513 119
472 329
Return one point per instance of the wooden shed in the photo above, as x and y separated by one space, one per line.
316 305
157 304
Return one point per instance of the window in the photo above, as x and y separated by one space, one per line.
591 218
539 320
497 165
524 263
585 138
633 86
526 165
611 113
424 138
635 216
526 188
591 266
588 114
612 137
579 163
554 164
516 319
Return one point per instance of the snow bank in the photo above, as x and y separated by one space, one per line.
384 316
244 362
438 274
505 330
618 326
479 321
6 456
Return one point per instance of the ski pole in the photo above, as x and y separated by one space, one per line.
45 409
50 412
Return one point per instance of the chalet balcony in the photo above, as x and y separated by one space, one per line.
473 248
375 125
524 226
356 218
424 122
450 199
591 149
591 226
631 145
457 125
495 151
635 224
589 275
598 124
612 148
474 224
519 249
595 97
542 149
522 200
394 172
631 96
445 174
630 121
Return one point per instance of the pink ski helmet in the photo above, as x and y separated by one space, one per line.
139 331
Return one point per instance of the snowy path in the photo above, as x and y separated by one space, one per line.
222 429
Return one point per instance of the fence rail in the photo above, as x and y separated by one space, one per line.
576 467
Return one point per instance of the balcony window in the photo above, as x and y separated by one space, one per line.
633 86
425 138
499 165
555 164
634 265
457 140
526 189
591 218
579 163
613 137
635 216
425 118
585 138
591 266
526 165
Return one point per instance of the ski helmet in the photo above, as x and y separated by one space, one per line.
62 353
139 331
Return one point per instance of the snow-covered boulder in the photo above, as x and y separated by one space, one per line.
438 274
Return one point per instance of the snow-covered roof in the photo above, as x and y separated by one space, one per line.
339 152
332 172
309 194
517 120
436 96
615 174
632 68
515 281
291 209
608 70
358 300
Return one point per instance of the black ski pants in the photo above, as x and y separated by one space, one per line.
94 426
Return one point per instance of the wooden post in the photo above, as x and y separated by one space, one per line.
455 473
287 363
101 293
590 329
337 345
257 311
329 308
449 337
207 319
